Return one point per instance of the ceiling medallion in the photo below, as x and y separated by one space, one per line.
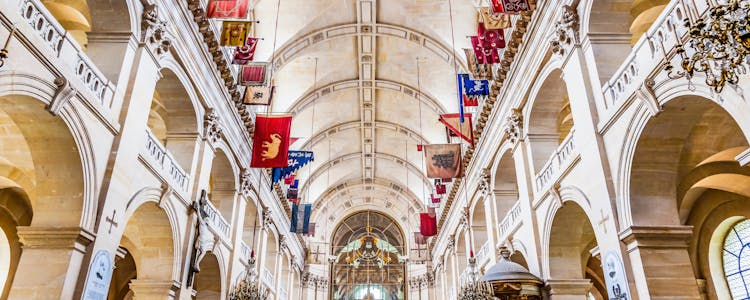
721 44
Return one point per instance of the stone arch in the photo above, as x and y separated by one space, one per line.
223 183
124 273
569 245
267 270
45 150
15 211
173 118
115 26
505 184
480 223
150 237
718 287
252 222
208 282
605 23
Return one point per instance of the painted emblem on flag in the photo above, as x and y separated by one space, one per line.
234 33
443 160
223 9
271 141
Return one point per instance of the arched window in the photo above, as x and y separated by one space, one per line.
737 260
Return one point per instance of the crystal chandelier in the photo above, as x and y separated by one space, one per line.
721 42
247 288
473 287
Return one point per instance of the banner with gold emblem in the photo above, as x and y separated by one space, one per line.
271 141
234 33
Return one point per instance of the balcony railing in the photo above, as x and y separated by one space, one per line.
558 160
165 163
648 53
283 294
244 252
69 52
511 220
216 222
483 254
267 278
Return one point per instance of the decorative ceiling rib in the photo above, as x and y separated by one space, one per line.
352 125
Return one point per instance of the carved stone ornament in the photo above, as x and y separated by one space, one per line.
451 242
246 186
63 93
484 181
566 31
514 126
155 34
211 126
283 244
267 219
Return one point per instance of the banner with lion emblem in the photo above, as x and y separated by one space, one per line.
271 141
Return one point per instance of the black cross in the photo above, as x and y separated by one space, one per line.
111 220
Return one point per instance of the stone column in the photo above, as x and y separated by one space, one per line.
660 261
50 262
144 289
568 289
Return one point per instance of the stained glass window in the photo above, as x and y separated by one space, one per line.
737 260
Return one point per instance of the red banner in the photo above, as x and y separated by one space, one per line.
443 160
490 38
484 55
227 9
427 224
271 141
246 53
254 74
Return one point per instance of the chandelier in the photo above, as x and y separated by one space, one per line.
721 42
247 288
473 287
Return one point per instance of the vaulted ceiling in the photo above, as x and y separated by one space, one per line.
348 71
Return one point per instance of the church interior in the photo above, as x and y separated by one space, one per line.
375 149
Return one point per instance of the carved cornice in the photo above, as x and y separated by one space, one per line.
566 31
514 126
154 30
211 126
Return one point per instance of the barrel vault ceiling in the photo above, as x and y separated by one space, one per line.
359 109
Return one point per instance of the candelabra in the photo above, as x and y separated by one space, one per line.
474 288
721 44
247 288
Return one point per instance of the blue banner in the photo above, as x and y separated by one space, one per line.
297 159
476 87
301 218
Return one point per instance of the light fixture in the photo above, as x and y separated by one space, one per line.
248 288
473 287
721 44
4 51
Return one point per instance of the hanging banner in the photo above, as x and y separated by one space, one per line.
258 95
435 199
271 141
311 230
443 160
419 239
490 38
227 9
288 179
301 218
245 54
234 33
492 20
484 55
509 6
427 224
296 160
455 127
440 190
254 74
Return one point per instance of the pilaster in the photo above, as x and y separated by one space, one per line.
145 289
564 289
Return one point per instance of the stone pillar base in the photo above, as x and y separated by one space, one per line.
144 289
564 289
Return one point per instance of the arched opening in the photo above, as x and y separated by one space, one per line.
148 239
173 119
109 35
41 175
550 120
74 16
506 186
222 185
608 31
368 247
268 266
684 172
571 242
479 225
462 257
251 226
125 272
285 280
208 280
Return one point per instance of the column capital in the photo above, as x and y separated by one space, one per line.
53 237
153 289
571 287
663 237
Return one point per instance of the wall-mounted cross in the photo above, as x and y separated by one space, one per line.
111 221
603 221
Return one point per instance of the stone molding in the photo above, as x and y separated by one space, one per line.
514 126
657 237
152 289
211 126
63 93
566 33
572 287
52 237
155 33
